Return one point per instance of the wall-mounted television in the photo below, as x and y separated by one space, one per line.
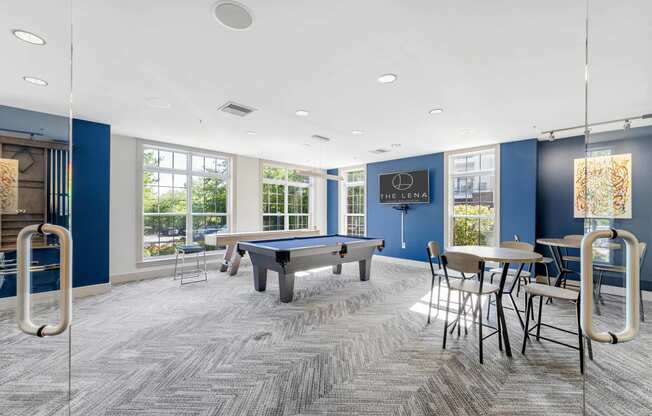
405 187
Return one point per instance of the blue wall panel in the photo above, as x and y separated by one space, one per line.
555 217
423 222
332 204
518 190
90 202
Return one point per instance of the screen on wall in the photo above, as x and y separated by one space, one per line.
405 187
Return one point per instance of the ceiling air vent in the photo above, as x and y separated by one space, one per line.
379 151
320 138
236 109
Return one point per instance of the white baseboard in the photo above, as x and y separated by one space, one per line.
45 297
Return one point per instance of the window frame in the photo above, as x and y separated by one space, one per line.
448 201
343 198
286 183
228 178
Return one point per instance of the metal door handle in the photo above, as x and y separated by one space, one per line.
23 281
632 317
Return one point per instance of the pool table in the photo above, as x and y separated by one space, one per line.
289 255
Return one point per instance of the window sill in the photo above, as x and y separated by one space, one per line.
169 260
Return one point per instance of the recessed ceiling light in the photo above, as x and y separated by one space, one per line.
357 132
28 37
157 102
233 15
387 78
302 113
436 111
36 81
251 133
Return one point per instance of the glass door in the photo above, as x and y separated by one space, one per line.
35 247
612 192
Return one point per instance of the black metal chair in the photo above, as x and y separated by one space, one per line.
514 276
470 264
433 252
539 290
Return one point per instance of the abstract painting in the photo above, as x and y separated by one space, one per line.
8 186
603 186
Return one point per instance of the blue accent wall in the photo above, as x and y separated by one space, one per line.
90 202
423 222
518 190
555 217
332 204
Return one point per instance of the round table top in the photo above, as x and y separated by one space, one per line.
560 242
498 254
571 243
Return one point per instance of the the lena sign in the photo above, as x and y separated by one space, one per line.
405 187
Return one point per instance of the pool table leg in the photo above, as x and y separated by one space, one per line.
286 286
365 269
235 264
260 278
227 257
337 268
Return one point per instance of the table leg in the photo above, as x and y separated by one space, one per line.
286 286
227 257
235 264
499 307
337 268
260 278
557 257
365 269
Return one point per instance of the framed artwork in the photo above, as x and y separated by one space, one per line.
9 186
603 186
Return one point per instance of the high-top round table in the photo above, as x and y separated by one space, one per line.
556 244
504 256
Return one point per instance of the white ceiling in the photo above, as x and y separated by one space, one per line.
498 68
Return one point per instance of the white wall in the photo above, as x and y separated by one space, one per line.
125 191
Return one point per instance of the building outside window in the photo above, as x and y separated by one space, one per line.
285 199
353 202
472 198
185 197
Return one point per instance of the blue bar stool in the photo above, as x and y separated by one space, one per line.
194 274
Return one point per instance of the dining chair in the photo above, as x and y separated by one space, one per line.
534 290
433 252
610 268
514 276
545 261
466 288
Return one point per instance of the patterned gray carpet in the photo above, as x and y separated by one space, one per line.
343 347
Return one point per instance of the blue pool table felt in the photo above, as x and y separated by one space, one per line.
291 243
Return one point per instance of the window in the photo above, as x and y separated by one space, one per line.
286 199
472 198
354 202
185 196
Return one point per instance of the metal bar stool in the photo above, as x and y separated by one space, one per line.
195 273
541 290
468 263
